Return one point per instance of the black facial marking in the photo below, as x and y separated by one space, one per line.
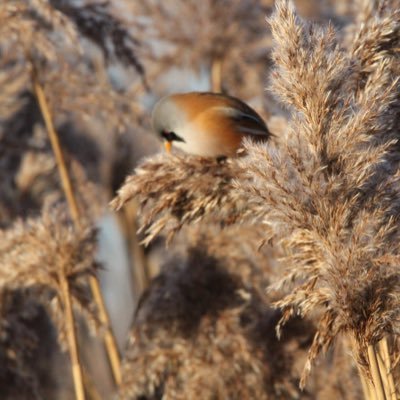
171 137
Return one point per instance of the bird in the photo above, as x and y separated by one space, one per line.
206 124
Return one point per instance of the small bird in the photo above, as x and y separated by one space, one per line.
206 124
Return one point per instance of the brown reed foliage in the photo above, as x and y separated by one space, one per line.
203 331
44 38
313 215
36 252
339 180
177 189
205 328
35 256
44 48
338 176
328 193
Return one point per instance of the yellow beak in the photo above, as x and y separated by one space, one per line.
168 146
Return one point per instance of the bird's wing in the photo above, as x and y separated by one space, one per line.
245 120
206 107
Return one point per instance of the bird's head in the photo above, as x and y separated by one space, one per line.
167 120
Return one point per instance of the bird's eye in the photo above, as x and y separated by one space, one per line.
171 137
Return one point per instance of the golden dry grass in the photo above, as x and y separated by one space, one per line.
270 263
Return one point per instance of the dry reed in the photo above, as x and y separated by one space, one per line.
313 214
328 192
335 200
174 190
42 45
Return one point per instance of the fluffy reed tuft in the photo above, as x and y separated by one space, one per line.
332 189
174 190
36 254
328 193
42 41
202 331
205 328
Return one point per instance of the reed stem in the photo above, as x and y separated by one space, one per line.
216 75
385 354
110 342
140 270
375 372
71 338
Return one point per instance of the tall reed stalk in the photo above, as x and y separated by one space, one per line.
109 338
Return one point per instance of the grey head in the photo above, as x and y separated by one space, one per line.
168 120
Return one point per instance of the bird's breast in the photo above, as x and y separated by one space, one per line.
209 138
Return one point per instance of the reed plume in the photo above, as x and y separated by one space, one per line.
178 189
334 202
327 192
36 252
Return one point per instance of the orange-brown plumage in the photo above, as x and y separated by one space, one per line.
207 124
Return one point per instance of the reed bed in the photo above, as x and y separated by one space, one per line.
270 275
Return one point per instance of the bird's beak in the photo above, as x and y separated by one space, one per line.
168 145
